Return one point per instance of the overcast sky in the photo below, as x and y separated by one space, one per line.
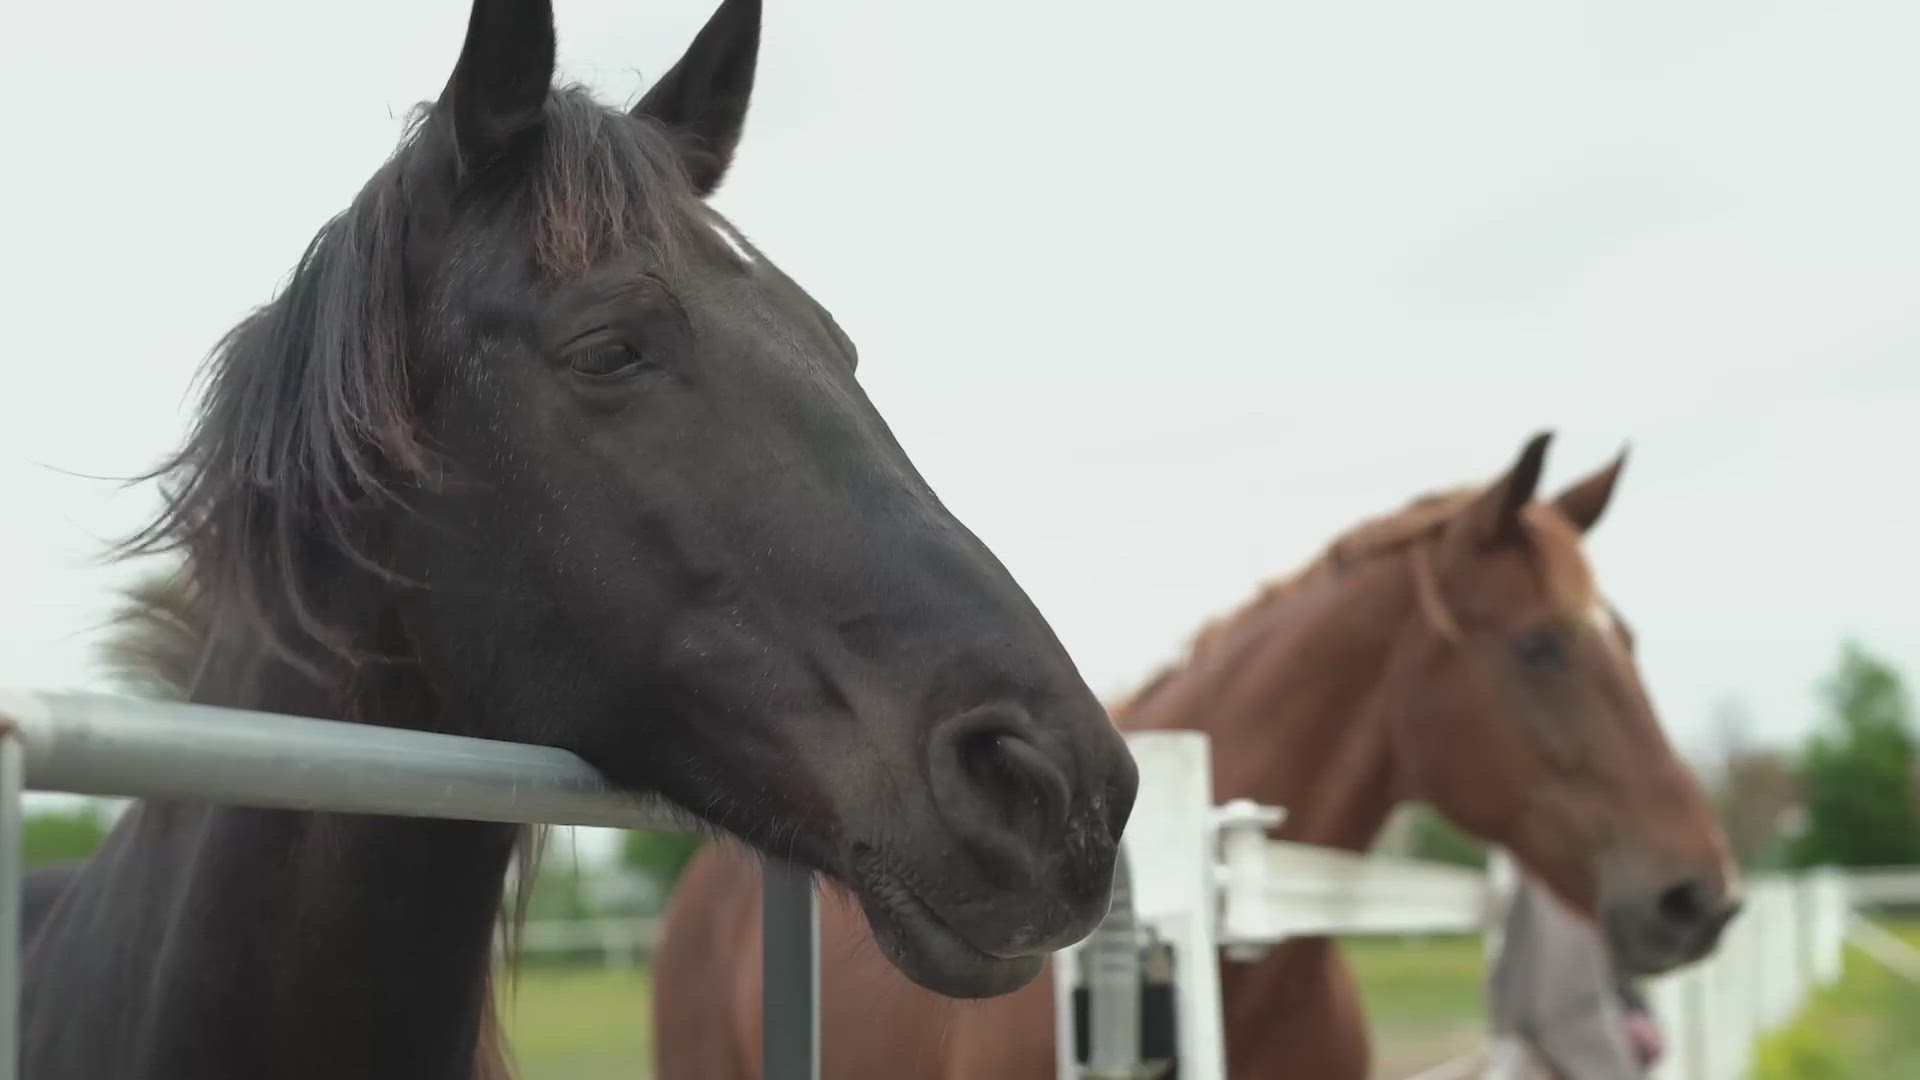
1159 296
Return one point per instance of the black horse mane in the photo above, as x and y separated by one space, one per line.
307 420
155 647
157 638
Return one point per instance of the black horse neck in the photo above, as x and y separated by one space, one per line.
277 943
379 959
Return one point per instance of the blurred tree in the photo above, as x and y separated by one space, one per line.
1857 771
1758 793
49 836
559 892
659 857
1755 790
1432 837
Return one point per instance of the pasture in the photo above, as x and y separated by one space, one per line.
1423 1003
1858 1029
1423 1000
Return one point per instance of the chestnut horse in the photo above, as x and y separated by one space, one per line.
1457 652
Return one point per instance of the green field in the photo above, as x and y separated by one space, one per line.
1865 1027
1423 998
1423 1002
581 1024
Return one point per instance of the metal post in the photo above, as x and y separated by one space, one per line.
790 958
12 776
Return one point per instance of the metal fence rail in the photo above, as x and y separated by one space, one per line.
94 744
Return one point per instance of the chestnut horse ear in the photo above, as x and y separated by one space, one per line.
702 100
1494 516
498 91
1584 502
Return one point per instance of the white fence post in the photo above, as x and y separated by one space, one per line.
1834 913
1769 960
1243 826
1789 942
1172 847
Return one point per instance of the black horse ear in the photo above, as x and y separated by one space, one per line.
498 92
702 100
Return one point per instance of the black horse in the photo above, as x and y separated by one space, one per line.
534 446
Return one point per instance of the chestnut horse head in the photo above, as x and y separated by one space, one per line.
1518 711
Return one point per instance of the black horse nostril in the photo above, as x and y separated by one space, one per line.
1015 778
1000 793
1686 904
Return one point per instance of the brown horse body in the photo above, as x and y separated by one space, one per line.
1457 653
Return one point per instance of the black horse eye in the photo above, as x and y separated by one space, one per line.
605 361
1538 648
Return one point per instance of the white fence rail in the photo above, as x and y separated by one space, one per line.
1308 891
1207 877
1888 950
1891 887
1333 892
620 942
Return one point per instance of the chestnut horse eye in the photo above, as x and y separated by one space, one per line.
1539 649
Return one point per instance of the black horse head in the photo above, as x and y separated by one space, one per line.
533 421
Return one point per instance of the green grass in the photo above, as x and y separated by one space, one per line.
1436 978
1424 997
1864 1027
1423 1000
581 1023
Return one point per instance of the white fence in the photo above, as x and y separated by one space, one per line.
1893 886
1208 880
621 943
1789 940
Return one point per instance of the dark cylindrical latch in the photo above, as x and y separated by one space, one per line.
1158 1028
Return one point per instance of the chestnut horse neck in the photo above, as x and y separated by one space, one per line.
1296 688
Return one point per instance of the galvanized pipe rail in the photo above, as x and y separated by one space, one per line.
95 744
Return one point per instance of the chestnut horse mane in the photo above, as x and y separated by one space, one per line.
1387 534
155 648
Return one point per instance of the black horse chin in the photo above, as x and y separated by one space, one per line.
932 953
